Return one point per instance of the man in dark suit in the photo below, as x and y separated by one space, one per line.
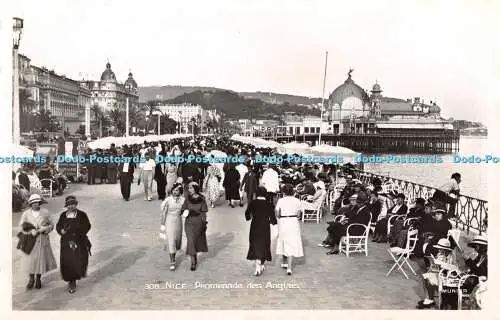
160 175
360 214
126 171
112 166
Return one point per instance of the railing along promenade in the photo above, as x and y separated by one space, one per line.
471 214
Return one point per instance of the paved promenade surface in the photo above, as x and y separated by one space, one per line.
128 259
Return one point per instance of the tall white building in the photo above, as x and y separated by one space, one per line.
185 113
109 92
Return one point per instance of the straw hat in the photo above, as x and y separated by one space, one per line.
36 198
478 240
437 211
443 244
353 197
70 200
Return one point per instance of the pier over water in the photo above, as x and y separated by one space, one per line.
442 142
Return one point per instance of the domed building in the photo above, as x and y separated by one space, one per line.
349 100
352 110
108 92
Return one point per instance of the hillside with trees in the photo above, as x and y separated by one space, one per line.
233 105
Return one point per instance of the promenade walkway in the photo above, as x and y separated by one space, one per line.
128 258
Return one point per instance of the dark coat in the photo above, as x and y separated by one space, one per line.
131 167
250 182
375 209
231 184
262 214
75 245
362 216
195 225
24 181
189 172
478 270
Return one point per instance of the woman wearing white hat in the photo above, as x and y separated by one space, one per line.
36 221
443 260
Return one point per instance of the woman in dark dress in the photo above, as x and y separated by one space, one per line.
262 214
231 185
73 226
195 211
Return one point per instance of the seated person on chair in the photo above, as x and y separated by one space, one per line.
47 173
432 231
400 208
361 215
375 205
477 264
415 213
314 202
443 259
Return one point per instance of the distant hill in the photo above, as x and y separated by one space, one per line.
235 106
170 92
279 98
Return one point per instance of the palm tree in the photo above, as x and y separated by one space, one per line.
149 109
118 120
45 121
102 119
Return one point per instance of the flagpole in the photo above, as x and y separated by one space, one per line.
323 99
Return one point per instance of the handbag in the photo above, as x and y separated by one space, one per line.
26 242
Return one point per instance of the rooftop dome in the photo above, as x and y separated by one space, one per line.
130 81
108 74
348 89
376 88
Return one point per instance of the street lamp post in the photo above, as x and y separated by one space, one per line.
17 26
323 100
87 121
127 118
179 123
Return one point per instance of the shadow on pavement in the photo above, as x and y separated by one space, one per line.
22 300
216 243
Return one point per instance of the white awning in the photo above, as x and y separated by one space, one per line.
446 126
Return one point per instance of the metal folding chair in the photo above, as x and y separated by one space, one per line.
402 255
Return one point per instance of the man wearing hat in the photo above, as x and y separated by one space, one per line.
361 214
432 230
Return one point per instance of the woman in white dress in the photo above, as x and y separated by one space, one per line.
211 184
171 221
289 243
37 223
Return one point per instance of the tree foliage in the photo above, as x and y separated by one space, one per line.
237 107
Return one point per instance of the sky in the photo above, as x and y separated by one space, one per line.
445 51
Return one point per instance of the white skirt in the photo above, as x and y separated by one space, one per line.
289 241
